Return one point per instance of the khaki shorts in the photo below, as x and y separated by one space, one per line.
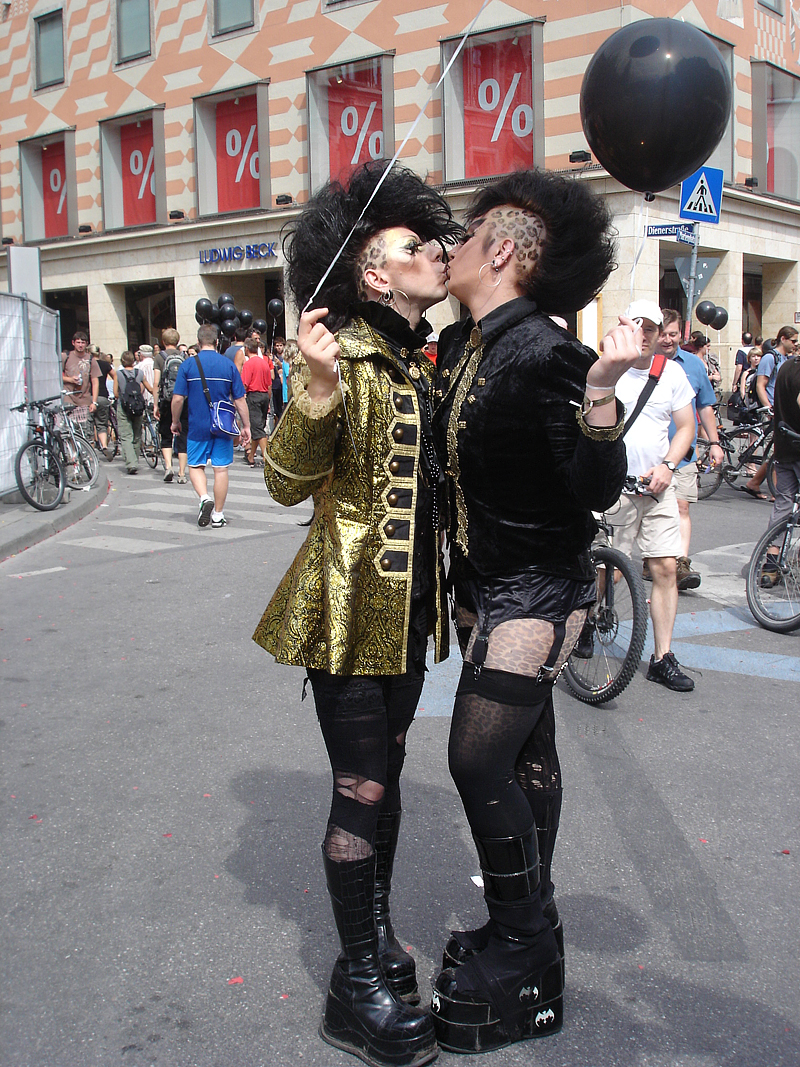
653 525
685 481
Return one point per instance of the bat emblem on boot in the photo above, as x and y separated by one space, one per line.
529 991
435 1004
544 1017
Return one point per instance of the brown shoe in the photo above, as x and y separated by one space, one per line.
686 577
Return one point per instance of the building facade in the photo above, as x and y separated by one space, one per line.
155 150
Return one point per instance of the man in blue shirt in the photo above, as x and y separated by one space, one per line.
224 383
685 477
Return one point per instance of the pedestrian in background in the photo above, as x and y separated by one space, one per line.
129 425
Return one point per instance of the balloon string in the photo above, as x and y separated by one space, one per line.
395 157
641 235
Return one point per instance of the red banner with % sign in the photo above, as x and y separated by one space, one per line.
237 154
54 190
498 116
138 179
355 121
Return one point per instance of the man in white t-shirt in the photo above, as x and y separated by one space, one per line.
652 521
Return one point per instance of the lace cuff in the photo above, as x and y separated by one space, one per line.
316 409
602 433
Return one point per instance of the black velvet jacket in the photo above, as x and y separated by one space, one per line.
524 478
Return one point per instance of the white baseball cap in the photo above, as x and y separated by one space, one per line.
645 309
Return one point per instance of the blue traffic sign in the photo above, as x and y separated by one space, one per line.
701 195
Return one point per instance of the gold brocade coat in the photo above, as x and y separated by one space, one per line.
344 605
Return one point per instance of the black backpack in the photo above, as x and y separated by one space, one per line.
172 365
131 395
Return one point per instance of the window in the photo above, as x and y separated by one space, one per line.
133 170
493 103
722 156
351 117
49 36
232 15
133 29
776 130
49 186
774 6
232 141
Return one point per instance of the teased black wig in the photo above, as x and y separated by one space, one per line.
310 246
578 252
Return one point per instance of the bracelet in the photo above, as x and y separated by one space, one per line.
588 403
600 433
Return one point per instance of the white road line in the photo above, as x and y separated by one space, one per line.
33 574
134 546
280 518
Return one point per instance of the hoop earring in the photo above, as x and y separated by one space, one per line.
498 277
387 298
399 292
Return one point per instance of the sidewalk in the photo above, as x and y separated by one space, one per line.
22 526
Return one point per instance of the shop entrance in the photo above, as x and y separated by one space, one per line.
73 307
149 309
751 302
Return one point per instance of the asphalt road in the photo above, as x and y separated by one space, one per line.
164 793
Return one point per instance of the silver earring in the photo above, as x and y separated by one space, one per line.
498 277
387 298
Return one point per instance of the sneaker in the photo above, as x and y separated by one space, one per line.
133 470
667 672
181 479
686 577
169 475
108 453
206 507
216 524
646 575
584 646
770 576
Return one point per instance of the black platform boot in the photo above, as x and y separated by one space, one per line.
361 1014
462 944
399 968
513 989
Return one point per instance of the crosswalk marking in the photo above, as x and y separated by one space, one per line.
131 545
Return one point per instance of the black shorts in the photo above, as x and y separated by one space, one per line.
165 427
528 595
258 406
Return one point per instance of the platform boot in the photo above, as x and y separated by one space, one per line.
361 1014
512 989
462 944
399 968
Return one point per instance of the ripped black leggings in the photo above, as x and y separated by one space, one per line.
364 720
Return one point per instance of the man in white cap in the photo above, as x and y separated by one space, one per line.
652 521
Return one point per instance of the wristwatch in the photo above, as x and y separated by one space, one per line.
670 465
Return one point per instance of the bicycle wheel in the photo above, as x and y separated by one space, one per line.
80 462
618 631
735 469
773 582
709 478
150 449
40 476
113 437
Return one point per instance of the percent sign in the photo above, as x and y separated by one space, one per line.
138 165
56 184
489 98
350 127
233 146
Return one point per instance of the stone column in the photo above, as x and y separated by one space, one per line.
107 317
779 299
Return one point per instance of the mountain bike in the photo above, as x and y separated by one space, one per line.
54 457
773 574
610 646
745 447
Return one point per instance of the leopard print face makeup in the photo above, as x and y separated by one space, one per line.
372 258
525 229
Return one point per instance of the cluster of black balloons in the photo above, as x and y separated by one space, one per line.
711 315
229 320
655 103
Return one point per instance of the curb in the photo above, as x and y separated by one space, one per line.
38 526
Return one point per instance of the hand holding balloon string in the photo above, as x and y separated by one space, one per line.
321 352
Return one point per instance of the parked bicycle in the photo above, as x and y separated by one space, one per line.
54 457
151 442
745 448
610 646
773 574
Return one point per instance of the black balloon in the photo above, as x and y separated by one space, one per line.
246 318
225 298
275 307
198 318
260 325
720 320
228 327
214 315
655 102
705 312
204 307
227 311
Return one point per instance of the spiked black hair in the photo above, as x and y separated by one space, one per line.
578 252
310 246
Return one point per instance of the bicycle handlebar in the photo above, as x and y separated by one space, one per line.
788 431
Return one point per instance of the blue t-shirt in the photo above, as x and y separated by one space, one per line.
768 368
704 395
224 383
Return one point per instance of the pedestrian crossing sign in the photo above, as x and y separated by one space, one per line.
701 195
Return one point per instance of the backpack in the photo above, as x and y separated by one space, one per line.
751 400
170 373
131 396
